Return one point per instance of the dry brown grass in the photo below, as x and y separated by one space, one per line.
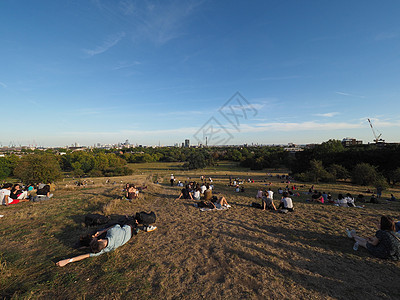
241 253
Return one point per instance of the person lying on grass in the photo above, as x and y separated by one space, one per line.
386 242
115 237
215 203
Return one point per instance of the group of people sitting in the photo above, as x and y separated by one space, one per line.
204 194
346 200
267 201
16 193
195 191
290 191
131 191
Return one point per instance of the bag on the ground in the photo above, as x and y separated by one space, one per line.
283 211
96 219
145 218
256 205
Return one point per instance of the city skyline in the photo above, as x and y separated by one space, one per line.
264 72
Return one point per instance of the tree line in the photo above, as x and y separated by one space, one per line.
327 162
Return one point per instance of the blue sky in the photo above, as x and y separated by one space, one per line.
162 71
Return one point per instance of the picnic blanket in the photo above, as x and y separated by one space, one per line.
210 209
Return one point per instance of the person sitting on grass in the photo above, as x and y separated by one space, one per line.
374 199
360 198
341 201
267 202
317 197
5 195
237 189
325 196
197 193
203 188
386 242
185 193
286 202
42 193
208 193
260 194
329 198
115 237
392 198
131 192
17 193
350 200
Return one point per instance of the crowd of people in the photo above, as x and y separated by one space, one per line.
385 243
16 193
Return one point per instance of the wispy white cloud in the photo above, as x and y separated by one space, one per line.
249 107
349 95
183 113
124 65
107 44
386 36
312 126
158 22
135 132
377 122
300 126
327 115
127 7
3 84
272 78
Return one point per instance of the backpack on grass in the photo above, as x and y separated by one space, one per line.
145 218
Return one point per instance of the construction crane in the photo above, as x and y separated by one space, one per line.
377 139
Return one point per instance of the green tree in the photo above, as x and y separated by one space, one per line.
396 175
5 169
36 168
196 160
339 172
13 161
317 170
365 174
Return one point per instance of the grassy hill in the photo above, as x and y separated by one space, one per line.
240 253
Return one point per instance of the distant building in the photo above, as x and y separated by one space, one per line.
347 142
187 143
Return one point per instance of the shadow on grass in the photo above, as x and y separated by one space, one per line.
330 274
